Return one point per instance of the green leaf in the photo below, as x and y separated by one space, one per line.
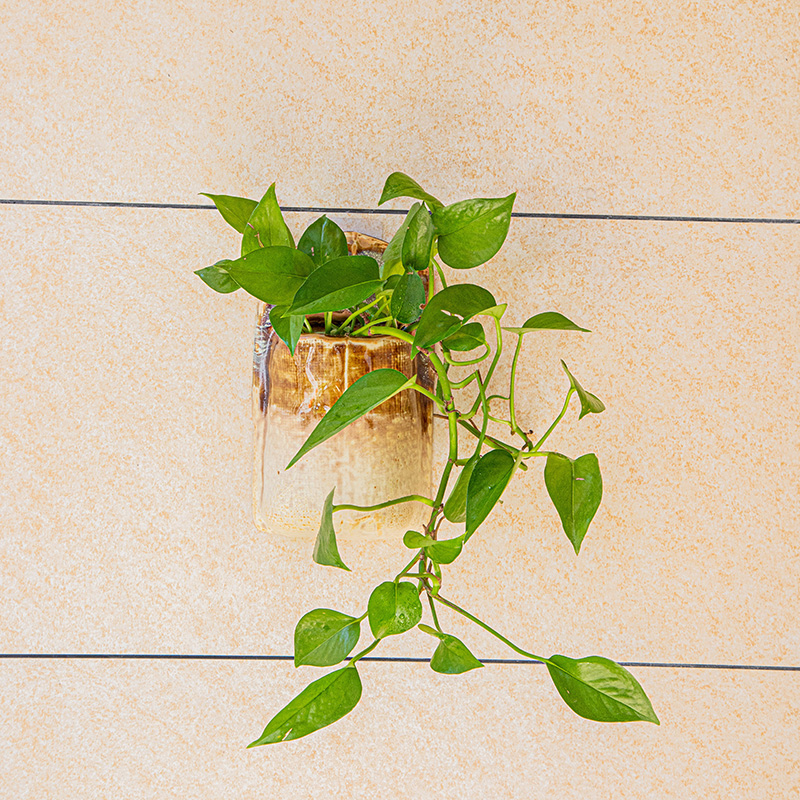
368 392
448 310
590 404
576 489
323 240
324 637
320 704
444 551
455 509
235 210
472 231
599 689
400 185
272 274
393 608
547 321
341 283
408 298
488 481
418 241
266 226
466 338
326 551
452 657
288 327
393 254
217 277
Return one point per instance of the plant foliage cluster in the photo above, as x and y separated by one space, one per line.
354 295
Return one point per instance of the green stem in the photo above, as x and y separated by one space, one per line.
364 652
357 313
328 322
555 422
409 498
466 382
370 324
453 362
491 630
430 395
307 325
496 442
440 272
398 334
434 615
408 566
511 409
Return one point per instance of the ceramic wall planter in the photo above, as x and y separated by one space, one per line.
386 454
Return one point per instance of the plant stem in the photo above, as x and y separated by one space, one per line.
328 322
455 363
430 395
496 442
555 422
491 630
364 652
433 613
511 409
396 332
370 324
357 313
409 498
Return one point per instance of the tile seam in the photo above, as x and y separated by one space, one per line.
401 212
386 659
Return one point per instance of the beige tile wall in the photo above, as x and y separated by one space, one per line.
125 436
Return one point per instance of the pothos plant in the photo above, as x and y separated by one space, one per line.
318 276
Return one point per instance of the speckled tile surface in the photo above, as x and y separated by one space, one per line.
155 730
678 108
125 432
128 438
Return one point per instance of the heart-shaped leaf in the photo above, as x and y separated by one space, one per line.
368 392
472 231
217 277
288 327
393 608
489 479
324 637
576 489
326 551
272 274
341 283
599 689
407 298
452 656
320 704
266 226
467 337
448 310
234 210
590 404
418 241
442 551
393 254
323 240
547 321
455 509
400 185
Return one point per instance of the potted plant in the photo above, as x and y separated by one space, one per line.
327 288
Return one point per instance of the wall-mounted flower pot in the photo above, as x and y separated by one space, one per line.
385 454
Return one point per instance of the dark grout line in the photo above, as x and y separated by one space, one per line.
401 212
390 659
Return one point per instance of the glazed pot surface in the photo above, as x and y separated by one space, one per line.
385 454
